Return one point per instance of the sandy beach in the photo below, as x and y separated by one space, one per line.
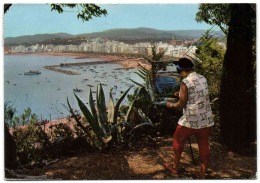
127 62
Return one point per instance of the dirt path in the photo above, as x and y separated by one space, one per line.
146 163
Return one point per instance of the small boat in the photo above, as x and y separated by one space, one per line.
77 90
85 79
31 72
89 85
58 89
115 87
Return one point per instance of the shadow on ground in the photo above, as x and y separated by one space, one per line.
147 164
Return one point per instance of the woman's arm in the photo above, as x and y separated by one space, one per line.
182 100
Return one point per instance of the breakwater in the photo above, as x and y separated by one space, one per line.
54 67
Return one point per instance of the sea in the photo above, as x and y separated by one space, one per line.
46 93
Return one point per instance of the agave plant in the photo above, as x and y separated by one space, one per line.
104 120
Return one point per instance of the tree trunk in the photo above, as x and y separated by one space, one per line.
10 150
238 91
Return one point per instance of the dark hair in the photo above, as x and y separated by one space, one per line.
186 63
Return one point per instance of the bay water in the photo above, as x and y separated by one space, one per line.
46 93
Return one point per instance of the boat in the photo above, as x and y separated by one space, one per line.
77 90
89 85
115 87
58 89
85 79
31 72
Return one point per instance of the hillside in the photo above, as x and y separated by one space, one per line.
36 38
125 35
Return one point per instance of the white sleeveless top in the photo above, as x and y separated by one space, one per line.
197 113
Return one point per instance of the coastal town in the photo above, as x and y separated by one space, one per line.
174 48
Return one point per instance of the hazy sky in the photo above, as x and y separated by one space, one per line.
30 19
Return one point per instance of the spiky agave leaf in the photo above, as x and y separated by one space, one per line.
127 124
86 131
140 126
144 72
149 89
92 105
101 110
141 85
76 118
147 121
118 104
143 76
111 107
135 95
90 118
102 103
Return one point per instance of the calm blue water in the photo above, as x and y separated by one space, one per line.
40 92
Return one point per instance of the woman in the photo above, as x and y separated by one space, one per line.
197 115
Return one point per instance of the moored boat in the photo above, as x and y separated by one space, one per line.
77 90
31 72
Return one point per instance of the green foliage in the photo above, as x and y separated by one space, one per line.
209 61
34 143
26 118
105 127
214 14
31 141
30 144
9 111
85 11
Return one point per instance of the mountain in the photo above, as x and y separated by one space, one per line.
36 38
126 35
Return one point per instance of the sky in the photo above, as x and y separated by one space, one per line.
31 19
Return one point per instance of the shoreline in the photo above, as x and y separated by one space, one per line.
128 62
